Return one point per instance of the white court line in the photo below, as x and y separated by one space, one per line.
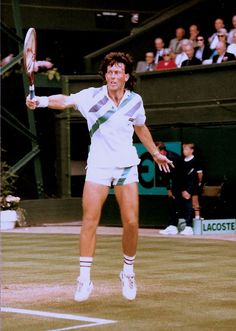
91 320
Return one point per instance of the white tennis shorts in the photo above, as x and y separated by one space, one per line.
112 176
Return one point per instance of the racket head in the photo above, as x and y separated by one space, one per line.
29 53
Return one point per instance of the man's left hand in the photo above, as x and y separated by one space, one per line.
163 162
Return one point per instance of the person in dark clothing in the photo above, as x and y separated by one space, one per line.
202 51
192 60
172 181
191 182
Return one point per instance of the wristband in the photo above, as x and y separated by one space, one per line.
42 102
156 153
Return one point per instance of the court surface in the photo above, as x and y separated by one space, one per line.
183 283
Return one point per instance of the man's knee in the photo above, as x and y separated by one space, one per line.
89 223
196 207
131 222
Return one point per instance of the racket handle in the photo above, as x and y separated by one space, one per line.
32 92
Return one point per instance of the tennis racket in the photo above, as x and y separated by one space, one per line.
29 57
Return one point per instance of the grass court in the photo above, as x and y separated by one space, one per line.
184 284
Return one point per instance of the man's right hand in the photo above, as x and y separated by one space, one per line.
36 102
32 103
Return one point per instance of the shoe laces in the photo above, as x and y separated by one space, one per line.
80 284
131 281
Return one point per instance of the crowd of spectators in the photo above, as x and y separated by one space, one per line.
193 48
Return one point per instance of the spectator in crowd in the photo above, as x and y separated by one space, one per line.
232 47
202 52
182 56
159 46
213 40
148 64
191 181
230 35
193 34
192 60
167 63
6 60
222 35
223 55
175 43
172 181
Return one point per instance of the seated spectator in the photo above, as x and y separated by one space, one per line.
182 56
222 55
202 52
159 45
174 44
230 35
222 35
192 60
232 47
213 40
148 64
6 60
193 34
167 63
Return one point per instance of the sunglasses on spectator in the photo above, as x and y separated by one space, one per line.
220 35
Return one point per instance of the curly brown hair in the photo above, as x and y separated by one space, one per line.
119 57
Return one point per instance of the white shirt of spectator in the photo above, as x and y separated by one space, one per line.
214 41
199 53
232 49
180 58
158 54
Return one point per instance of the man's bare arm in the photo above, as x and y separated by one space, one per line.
58 101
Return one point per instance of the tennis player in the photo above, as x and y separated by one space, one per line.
113 112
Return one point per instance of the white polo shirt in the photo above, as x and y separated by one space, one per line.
111 128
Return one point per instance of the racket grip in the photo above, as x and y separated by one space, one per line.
32 92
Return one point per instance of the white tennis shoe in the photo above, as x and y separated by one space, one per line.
129 288
83 290
188 231
171 229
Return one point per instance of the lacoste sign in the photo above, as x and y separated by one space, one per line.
220 226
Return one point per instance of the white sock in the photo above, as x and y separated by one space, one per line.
85 267
128 267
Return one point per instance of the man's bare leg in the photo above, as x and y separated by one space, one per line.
127 197
94 196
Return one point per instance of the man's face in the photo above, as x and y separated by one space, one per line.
179 33
116 77
149 58
219 24
159 43
189 51
220 48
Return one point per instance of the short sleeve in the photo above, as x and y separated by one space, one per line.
141 117
80 100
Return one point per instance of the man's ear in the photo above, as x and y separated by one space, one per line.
126 77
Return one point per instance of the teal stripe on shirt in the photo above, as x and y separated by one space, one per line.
107 115
124 175
101 120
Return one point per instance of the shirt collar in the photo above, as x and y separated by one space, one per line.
188 158
126 94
